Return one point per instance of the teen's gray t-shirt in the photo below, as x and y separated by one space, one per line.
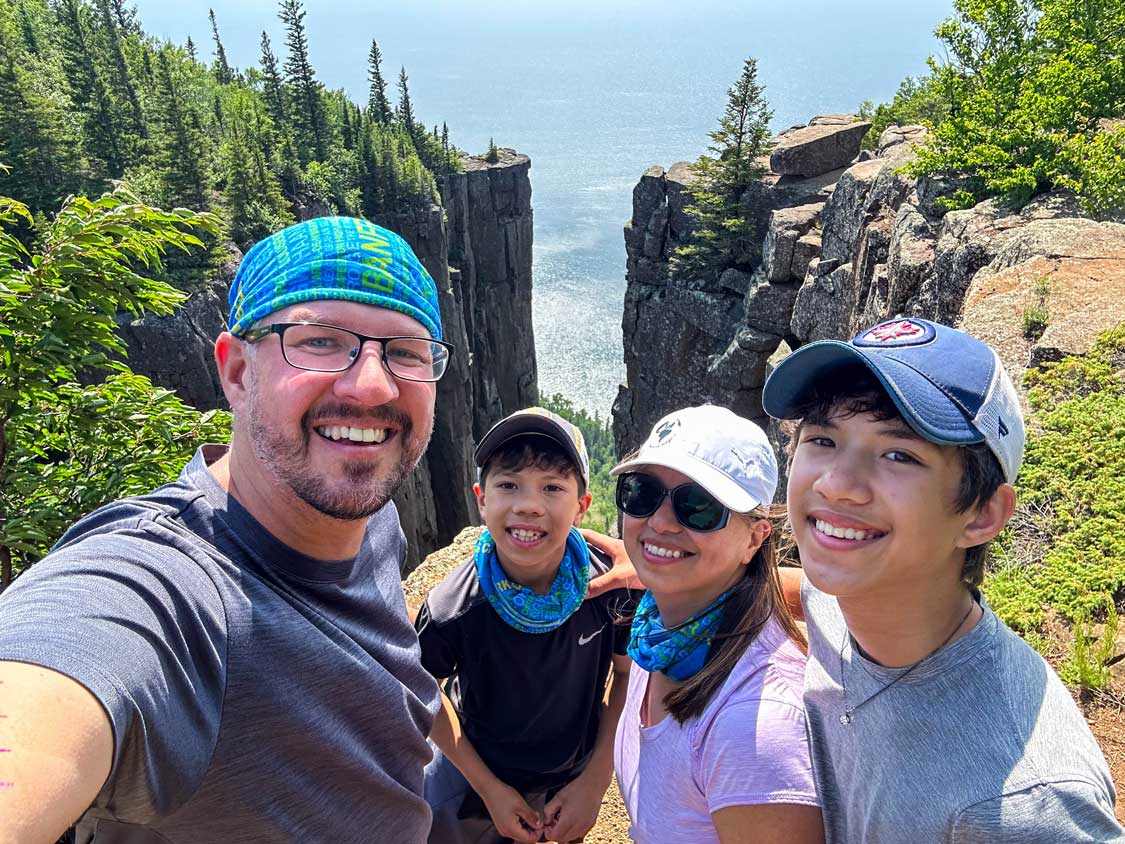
255 694
980 743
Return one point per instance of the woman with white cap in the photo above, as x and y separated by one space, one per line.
712 744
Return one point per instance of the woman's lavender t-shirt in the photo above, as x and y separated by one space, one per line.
748 747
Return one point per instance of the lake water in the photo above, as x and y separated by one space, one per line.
594 92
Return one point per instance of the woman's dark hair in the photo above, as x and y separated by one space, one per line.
757 597
854 390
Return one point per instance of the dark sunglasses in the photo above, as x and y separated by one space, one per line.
639 495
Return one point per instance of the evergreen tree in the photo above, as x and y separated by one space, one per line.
88 91
378 106
36 139
27 29
346 126
182 157
308 115
406 108
122 80
126 17
493 154
273 88
721 234
223 70
191 51
251 193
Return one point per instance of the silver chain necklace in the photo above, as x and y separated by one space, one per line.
849 711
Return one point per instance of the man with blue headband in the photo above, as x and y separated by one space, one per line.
228 658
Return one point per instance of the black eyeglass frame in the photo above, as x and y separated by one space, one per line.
671 493
255 335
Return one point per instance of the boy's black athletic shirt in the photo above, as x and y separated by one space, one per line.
529 702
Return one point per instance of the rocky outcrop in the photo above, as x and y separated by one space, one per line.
488 207
694 340
841 250
828 142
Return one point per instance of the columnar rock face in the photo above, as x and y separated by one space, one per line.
841 250
436 501
490 236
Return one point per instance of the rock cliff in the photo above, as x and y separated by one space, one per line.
477 247
847 240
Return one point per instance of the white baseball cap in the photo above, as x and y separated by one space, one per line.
727 455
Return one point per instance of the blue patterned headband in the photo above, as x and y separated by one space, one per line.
332 258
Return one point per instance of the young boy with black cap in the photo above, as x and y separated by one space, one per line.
929 719
525 735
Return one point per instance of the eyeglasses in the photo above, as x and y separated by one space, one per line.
326 348
640 495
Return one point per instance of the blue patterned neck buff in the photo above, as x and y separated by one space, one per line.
680 652
522 608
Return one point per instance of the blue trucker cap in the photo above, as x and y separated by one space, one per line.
949 386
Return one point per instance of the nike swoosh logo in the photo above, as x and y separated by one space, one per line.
582 640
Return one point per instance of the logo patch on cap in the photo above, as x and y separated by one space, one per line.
665 431
899 332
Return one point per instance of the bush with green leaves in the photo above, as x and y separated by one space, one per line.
919 99
66 448
1031 84
1065 550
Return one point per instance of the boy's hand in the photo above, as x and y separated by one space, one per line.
511 815
622 575
573 811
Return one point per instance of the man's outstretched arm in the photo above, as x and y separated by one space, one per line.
56 751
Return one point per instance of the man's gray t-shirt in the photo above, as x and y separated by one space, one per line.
255 694
980 743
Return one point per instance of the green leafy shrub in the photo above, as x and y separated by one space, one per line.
919 99
1029 83
1073 477
1087 667
66 448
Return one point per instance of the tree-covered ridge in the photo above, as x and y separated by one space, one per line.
1029 98
86 97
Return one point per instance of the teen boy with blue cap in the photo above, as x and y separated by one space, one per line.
929 719
228 659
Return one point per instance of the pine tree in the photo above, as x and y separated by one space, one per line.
103 141
346 126
27 30
273 91
493 154
406 108
36 139
378 106
721 233
254 202
309 109
182 157
126 17
122 80
446 152
191 51
223 71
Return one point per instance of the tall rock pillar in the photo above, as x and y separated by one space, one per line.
488 209
436 501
